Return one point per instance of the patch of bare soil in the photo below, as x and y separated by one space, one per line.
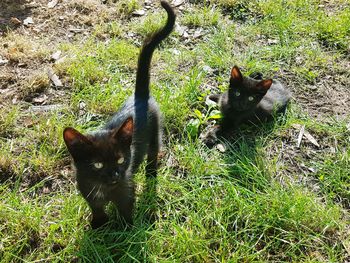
31 32
329 97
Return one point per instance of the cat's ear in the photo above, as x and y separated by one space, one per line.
264 85
124 134
236 74
75 141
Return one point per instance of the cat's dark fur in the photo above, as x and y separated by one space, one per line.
248 100
106 160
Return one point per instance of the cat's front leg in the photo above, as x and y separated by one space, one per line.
125 208
99 217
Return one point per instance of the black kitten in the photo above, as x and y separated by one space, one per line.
248 100
106 160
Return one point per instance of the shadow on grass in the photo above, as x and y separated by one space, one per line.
245 157
114 244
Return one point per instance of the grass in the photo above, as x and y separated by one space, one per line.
263 200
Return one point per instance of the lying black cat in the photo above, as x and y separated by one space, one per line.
247 100
106 160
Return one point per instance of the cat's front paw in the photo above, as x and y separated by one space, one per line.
210 138
98 222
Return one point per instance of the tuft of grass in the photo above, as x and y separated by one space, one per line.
203 17
126 7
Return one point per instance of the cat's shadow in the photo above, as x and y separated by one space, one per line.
116 243
244 155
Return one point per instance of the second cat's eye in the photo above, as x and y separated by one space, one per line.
250 98
98 165
120 160
237 93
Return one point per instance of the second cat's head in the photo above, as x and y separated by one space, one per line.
245 92
102 157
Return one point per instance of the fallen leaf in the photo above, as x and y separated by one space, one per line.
177 3
139 12
221 147
311 138
300 136
15 21
41 99
28 21
54 78
207 69
272 41
52 3
198 33
304 133
210 102
46 108
3 61
55 56
180 29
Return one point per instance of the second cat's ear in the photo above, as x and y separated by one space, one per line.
75 141
125 132
236 74
264 85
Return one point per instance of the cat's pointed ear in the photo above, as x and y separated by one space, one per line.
124 133
264 85
75 141
236 74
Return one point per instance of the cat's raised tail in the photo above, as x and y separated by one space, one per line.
150 44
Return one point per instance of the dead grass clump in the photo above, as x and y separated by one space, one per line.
7 172
19 48
85 6
36 83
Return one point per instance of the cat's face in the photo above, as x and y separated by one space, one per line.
244 92
103 157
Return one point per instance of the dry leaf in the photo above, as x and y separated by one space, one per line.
300 136
54 78
15 21
41 99
52 3
28 21
221 148
139 12
55 56
311 139
177 3
3 61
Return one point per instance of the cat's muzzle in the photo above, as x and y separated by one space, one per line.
115 178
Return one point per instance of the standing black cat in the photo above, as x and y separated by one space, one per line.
106 160
247 100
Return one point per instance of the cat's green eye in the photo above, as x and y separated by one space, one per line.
120 160
237 93
250 98
98 165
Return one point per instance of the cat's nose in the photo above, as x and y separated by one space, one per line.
115 178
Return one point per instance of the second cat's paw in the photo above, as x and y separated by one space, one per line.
209 138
